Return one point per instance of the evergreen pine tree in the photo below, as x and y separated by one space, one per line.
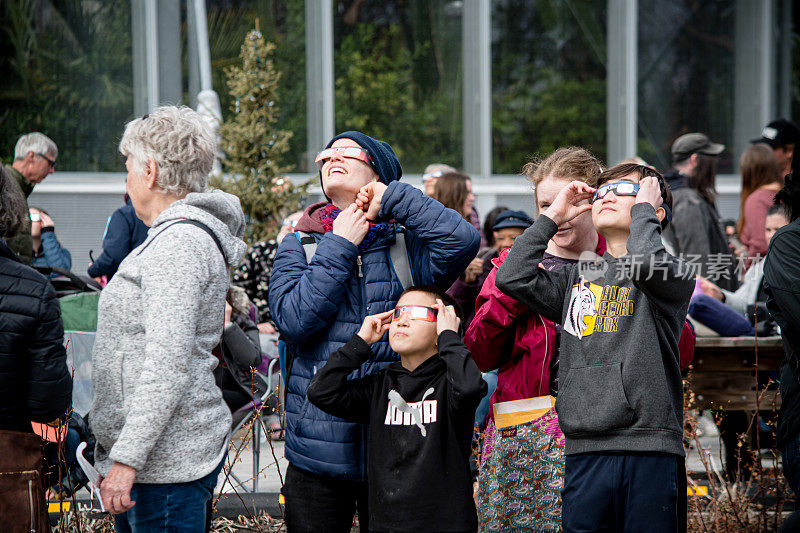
252 144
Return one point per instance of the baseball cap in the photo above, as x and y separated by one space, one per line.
778 133
512 219
694 143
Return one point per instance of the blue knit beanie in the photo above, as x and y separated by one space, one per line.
384 160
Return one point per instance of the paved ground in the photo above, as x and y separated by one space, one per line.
271 471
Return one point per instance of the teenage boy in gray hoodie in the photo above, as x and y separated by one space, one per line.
620 400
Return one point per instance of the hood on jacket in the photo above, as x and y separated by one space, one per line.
220 211
311 221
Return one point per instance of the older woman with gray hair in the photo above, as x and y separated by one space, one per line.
159 419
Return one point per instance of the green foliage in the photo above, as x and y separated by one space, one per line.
375 93
283 24
253 144
553 113
67 72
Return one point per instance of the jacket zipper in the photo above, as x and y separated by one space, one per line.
30 499
363 295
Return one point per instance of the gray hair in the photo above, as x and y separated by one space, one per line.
180 143
13 214
35 142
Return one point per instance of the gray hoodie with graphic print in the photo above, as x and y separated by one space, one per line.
620 385
156 407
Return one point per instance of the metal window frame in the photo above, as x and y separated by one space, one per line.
319 76
622 79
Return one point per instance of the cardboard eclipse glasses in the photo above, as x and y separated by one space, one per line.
352 152
620 188
625 188
415 312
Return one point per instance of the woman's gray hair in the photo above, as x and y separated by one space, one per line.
13 213
180 143
35 142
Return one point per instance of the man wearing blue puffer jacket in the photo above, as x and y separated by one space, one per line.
319 305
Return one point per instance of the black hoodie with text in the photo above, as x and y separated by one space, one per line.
420 433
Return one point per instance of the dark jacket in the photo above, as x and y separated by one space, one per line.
124 232
696 235
319 306
420 429
782 286
35 384
675 180
22 243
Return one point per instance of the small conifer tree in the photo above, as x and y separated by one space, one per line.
253 145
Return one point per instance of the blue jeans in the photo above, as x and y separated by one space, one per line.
719 317
171 507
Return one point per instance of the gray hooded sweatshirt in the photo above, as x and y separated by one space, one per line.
620 386
156 406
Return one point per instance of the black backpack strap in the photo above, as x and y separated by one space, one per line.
193 223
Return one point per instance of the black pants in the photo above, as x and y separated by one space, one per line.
631 492
322 504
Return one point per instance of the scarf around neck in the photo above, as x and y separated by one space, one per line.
376 229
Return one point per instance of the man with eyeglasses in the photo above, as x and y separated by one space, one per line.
34 159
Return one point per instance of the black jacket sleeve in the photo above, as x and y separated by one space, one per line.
466 384
331 391
782 285
50 386
521 277
242 346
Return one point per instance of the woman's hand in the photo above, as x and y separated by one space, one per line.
570 202
474 269
446 318
351 224
115 489
369 199
649 192
266 328
46 221
709 288
374 326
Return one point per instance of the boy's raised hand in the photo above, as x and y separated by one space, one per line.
649 192
570 202
446 318
374 326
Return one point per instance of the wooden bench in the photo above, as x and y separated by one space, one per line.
723 372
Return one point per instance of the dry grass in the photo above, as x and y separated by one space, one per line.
748 503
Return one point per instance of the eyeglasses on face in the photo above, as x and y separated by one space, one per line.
415 312
351 152
432 174
620 188
51 161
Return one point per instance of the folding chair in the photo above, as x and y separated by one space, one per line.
247 414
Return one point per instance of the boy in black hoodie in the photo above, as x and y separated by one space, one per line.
420 413
620 398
